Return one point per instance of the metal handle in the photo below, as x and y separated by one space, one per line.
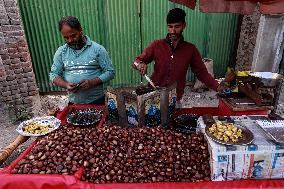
146 77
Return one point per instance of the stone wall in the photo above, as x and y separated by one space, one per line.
247 41
17 80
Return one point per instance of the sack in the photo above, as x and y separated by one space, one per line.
209 66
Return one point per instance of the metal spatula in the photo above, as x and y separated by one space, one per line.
150 81
147 78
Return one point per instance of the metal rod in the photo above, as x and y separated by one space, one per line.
276 95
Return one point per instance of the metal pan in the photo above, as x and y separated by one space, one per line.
273 129
84 117
52 122
268 79
246 139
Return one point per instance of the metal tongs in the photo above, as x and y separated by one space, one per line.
147 78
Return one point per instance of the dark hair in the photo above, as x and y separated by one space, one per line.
176 15
71 21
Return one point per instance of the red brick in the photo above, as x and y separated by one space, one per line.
7 93
17 71
33 93
26 64
25 59
17 91
4 89
25 70
3 51
2 78
7 99
12 56
10 40
5 56
13 87
15 66
18 101
4 84
19 76
15 18
11 45
12 50
24 54
15 61
25 94
30 79
17 96
10 3
23 90
12 10
31 84
9 72
20 39
27 100
13 34
13 82
23 80
22 85
2 73
21 43
4 21
10 77
30 74
15 21
23 49
32 88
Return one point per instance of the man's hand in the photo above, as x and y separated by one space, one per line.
59 81
220 88
141 67
86 84
71 87
223 89
89 83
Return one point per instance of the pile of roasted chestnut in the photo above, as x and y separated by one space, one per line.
60 152
116 154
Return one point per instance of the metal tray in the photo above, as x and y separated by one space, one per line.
246 139
93 115
268 79
273 129
47 120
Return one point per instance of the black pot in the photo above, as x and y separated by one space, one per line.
144 89
186 123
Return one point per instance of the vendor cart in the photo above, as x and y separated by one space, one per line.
9 180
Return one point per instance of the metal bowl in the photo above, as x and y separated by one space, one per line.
268 79
245 140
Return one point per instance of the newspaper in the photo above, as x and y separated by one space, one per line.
262 159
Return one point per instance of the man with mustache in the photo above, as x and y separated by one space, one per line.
81 65
173 56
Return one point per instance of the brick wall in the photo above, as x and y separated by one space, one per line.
17 80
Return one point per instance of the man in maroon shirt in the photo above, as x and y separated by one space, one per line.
172 57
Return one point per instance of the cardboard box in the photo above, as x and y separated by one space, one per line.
150 109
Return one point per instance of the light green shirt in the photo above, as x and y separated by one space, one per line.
90 62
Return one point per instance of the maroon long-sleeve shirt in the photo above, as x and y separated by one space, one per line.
171 64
